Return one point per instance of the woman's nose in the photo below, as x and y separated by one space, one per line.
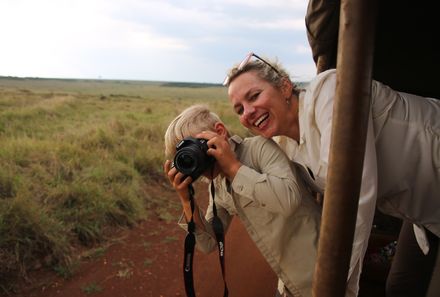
248 111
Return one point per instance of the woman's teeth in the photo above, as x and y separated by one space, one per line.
261 119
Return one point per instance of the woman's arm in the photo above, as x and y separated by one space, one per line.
263 173
268 177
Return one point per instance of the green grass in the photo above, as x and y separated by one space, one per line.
148 262
77 158
169 239
92 288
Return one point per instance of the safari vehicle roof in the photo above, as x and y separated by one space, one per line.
406 51
393 42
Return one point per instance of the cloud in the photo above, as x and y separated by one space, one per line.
284 24
190 40
301 71
49 35
283 4
302 49
143 38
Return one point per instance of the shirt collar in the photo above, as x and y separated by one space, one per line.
234 141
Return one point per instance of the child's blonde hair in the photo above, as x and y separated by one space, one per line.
191 121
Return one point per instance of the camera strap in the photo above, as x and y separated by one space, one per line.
219 232
190 241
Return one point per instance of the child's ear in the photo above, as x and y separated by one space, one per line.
220 129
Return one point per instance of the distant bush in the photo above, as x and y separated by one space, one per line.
190 85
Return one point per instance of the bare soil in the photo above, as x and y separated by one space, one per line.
147 261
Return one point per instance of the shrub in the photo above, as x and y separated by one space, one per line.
29 239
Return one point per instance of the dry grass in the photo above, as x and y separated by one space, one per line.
78 157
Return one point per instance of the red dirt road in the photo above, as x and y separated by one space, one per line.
147 261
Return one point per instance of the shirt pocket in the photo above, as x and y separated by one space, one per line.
246 202
256 212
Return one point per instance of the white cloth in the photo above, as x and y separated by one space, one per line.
402 158
315 121
407 133
421 238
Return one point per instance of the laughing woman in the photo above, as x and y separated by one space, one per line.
401 166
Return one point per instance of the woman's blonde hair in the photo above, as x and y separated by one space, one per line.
269 70
191 121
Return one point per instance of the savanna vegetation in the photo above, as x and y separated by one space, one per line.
77 159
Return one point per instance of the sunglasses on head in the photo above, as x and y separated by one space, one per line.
245 62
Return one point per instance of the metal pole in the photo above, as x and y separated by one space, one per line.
349 127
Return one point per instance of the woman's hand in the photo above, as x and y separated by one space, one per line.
178 181
220 149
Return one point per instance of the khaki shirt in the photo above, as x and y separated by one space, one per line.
277 211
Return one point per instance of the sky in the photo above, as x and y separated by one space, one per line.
159 40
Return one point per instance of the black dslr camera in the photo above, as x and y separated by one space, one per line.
191 158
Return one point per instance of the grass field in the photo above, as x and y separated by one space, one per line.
77 158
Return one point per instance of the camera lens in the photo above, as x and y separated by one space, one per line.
191 157
186 161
